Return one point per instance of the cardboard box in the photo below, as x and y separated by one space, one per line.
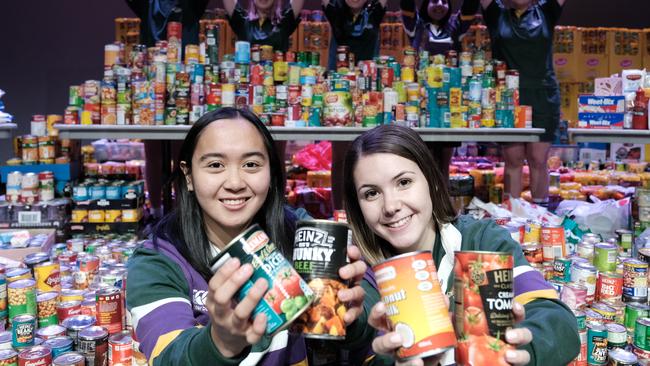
593 60
569 93
627 152
608 86
566 46
624 48
17 254
645 47
604 121
314 37
596 104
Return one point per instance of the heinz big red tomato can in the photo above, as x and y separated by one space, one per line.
484 297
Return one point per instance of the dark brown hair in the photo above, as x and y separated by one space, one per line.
400 141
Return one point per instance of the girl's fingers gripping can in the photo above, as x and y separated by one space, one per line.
415 306
319 250
287 296
483 289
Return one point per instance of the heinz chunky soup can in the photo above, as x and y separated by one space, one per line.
287 296
319 251
484 296
415 305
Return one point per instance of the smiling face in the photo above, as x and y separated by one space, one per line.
263 5
438 9
395 200
230 177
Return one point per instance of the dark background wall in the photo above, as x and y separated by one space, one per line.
47 45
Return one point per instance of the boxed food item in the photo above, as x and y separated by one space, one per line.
624 49
608 86
600 104
601 120
565 51
593 61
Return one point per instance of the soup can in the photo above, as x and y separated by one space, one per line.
93 344
69 359
59 345
484 298
120 349
288 295
585 274
109 309
415 306
50 331
33 356
319 250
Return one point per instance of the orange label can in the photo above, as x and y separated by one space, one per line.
109 309
553 243
483 289
120 349
416 309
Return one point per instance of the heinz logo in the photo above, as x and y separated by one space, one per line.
593 62
313 244
256 241
561 61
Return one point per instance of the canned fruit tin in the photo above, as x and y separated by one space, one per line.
21 298
48 276
287 296
59 345
605 257
596 344
585 274
408 285
109 309
93 344
635 280
22 331
46 308
35 356
120 349
69 359
609 286
319 250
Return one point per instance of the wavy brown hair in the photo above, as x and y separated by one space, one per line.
400 141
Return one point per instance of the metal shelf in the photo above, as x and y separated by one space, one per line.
609 136
6 130
300 133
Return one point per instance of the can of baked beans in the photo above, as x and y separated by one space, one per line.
120 349
415 305
93 344
288 295
109 309
46 308
35 356
23 328
319 250
609 286
635 281
483 287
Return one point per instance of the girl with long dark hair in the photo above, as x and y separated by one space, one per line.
229 178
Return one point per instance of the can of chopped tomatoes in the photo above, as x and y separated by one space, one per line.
415 305
319 250
483 289
287 297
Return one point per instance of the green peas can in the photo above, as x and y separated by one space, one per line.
605 257
634 311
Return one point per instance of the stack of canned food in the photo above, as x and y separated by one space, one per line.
153 86
91 191
67 307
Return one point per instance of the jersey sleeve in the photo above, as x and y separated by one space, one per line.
491 15
409 17
289 21
238 20
552 11
162 315
376 12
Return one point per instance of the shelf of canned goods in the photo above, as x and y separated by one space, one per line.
177 132
610 136
6 130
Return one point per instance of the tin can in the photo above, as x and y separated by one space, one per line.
35 356
591 238
76 323
642 334
109 309
415 306
635 280
120 349
532 231
607 312
22 298
609 286
533 252
641 354
483 294
88 266
605 257
625 238
22 331
562 269
48 276
287 296
553 243
50 331
319 250
5 340
634 311
59 345
574 295
16 274
621 357
93 344
69 359
8 357
46 308
586 250
616 336
3 298
585 274
596 344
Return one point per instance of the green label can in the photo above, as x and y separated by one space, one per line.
641 333
625 239
634 311
22 298
288 295
605 257
582 320
46 308
596 344
562 269
616 336
22 331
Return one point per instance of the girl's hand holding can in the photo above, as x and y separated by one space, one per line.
353 272
518 337
232 328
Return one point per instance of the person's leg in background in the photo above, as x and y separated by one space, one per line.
442 153
513 154
537 156
338 155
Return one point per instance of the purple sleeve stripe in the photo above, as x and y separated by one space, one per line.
528 281
162 320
